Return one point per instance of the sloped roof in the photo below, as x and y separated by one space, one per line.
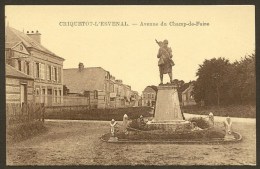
88 79
149 88
190 88
154 88
10 44
14 36
12 72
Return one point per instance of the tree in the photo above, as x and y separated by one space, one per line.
212 82
244 83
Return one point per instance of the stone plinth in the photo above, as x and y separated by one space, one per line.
113 139
168 114
167 104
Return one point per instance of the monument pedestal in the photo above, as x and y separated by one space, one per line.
229 137
113 139
168 114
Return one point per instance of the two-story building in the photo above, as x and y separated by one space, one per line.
25 53
149 96
103 90
187 96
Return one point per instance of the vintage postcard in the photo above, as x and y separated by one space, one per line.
130 85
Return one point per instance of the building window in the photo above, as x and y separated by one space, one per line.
55 74
27 68
112 99
43 96
111 88
20 65
56 96
37 91
152 96
42 70
95 94
37 70
148 95
144 95
60 96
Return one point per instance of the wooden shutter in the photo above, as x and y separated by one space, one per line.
52 74
58 73
40 70
35 69
48 72
43 71
59 77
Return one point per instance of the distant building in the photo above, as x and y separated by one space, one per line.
19 86
25 53
149 96
103 90
134 99
187 96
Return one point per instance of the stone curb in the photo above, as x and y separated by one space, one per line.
179 141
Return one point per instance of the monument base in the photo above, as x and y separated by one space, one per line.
229 137
173 126
113 139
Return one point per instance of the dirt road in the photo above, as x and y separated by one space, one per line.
78 143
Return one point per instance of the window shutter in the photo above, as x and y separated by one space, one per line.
58 74
40 70
43 71
55 73
52 73
35 69
48 73
53 76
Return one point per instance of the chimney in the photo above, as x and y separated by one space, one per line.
81 66
35 36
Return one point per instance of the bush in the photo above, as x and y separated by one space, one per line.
201 122
100 114
164 135
137 124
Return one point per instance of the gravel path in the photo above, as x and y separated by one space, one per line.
70 142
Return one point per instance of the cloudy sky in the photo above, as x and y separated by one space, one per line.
129 52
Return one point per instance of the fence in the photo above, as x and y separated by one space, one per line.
15 113
75 101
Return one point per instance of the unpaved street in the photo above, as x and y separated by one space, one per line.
78 143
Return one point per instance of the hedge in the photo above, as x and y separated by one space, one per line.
246 111
100 114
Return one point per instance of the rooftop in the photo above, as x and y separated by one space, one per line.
14 36
12 72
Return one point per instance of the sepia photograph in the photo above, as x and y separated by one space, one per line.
152 85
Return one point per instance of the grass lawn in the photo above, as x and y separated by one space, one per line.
78 143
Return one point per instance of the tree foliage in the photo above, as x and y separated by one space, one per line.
220 82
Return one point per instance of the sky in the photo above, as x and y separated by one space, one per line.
129 52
